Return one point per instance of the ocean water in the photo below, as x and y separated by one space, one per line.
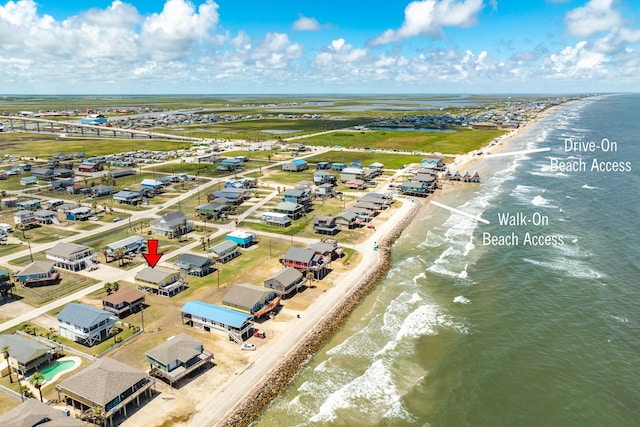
465 331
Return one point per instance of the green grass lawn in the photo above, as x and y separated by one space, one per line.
461 141
68 284
45 145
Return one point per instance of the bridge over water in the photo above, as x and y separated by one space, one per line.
37 124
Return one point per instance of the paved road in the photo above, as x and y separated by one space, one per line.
216 405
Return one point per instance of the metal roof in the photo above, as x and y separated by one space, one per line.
216 313
83 315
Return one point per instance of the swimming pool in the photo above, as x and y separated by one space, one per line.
57 368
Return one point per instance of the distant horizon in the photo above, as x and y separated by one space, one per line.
319 94
332 47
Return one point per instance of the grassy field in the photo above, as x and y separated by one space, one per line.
461 141
42 145
68 284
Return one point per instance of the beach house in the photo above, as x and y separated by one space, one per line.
129 246
128 197
195 265
285 282
160 281
177 358
305 260
224 251
172 225
234 324
32 412
85 324
276 219
27 355
247 298
106 384
297 165
124 302
38 273
71 256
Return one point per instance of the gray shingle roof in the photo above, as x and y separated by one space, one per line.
154 275
36 267
287 276
22 349
244 295
66 250
195 260
172 219
32 413
288 206
299 255
181 347
82 315
102 381
223 246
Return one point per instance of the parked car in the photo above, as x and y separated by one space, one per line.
118 218
248 347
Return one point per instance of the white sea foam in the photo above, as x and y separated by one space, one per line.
539 201
568 267
461 300
373 392
588 187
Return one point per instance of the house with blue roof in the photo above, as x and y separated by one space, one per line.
236 325
295 165
85 324
234 195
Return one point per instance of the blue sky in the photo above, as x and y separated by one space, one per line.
329 46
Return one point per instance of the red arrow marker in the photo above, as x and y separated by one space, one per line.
153 256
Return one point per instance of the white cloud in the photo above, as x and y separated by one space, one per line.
596 16
304 23
576 62
428 17
172 33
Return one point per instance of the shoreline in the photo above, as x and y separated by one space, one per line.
278 378
241 397
275 381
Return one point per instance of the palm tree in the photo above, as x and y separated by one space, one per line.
115 286
107 288
119 255
5 351
37 380
106 254
114 333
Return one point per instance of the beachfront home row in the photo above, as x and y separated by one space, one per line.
177 358
306 261
285 282
233 324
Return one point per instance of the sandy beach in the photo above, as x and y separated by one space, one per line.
225 397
